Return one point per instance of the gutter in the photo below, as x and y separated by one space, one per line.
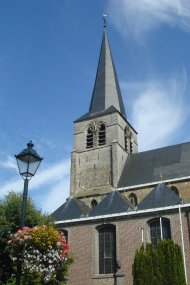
131 213
152 183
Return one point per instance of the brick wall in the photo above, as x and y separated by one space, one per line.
84 245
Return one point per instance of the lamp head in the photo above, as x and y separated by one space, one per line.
28 161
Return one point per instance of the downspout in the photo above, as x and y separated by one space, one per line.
182 242
161 231
142 235
111 166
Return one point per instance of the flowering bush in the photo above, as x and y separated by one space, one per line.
42 250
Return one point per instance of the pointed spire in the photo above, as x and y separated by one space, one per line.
106 91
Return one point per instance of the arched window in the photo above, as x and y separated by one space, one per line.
102 134
90 138
159 229
133 199
94 203
174 188
107 249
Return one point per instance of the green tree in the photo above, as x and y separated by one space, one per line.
162 265
10 219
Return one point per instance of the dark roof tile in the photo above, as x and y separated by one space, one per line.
71 209
113 203
146 167
160 196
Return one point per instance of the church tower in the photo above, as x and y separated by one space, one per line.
103 138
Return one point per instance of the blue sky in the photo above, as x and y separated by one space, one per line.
48 58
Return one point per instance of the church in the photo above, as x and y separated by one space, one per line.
120 197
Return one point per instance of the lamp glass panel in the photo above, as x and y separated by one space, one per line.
33 166
28 164
22 165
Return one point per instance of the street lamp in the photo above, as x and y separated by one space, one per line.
28 162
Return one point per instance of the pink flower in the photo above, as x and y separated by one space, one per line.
9 241
26 237
26 228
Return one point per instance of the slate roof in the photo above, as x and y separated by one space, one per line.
90 115
113 203
145 167
106 90
71 209
160 196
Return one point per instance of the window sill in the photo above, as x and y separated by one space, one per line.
103 276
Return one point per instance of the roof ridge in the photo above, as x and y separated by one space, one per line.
168 146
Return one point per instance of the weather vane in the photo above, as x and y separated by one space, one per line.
104 18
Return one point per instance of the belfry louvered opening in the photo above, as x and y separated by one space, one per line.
102 134
90 138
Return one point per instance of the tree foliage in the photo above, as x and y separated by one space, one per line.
162 265
10 219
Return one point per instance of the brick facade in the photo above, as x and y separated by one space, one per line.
82 238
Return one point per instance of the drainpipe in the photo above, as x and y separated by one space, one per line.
142 234
161 231
182 242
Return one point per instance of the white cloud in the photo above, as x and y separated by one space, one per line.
141 16
57 195
10 163
52 181
158 110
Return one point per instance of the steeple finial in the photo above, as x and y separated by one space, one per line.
104 19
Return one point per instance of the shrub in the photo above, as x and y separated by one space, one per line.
42 251
161 265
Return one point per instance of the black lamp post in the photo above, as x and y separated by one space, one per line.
28 162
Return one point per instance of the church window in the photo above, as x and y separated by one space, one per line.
159 229
107 249
90 138
174 188
102 134
94 203
133 199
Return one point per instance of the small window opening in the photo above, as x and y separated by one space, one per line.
102 135
174 188
133 199
90 138
94 203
